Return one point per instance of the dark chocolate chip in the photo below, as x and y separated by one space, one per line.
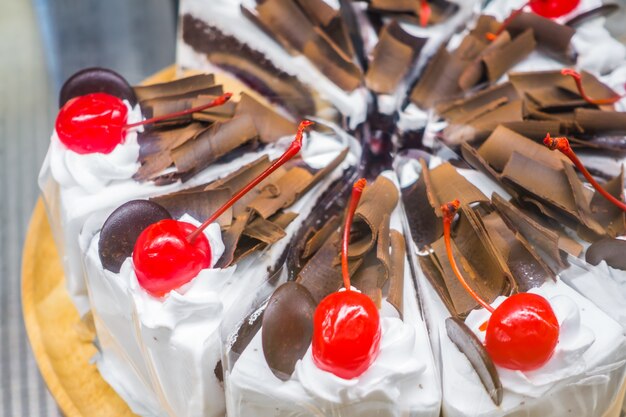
287 328
96 80
123 227
470 346
612 251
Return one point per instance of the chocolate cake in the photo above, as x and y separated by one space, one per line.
233 258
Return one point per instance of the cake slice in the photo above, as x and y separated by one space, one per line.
159 346
271 367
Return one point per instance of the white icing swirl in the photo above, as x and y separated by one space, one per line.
566 362
94 171
393 375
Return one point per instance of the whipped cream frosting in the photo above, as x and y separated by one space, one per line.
401 381
160 354
587 363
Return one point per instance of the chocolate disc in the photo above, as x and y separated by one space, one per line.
610 250
123 227
470 346
96 80
287 328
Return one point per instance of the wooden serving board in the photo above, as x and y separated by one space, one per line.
62 347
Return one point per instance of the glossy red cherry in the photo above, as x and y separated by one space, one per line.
346 325
522 332
346 334
553 8
164 258
93 123
170 253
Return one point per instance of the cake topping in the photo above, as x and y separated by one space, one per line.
468 343
522 331
562 145
610 250
97 122
122 228
170 253
578 79
544 8
96 80
287 328
346 327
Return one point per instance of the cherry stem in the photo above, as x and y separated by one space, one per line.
562 144
449 211
357 190
213 103
425 12
581 90
293 149
492 36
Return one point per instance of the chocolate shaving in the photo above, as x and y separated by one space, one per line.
396 275
198 204
548 33
270 124
393 56
317 240
378 200
601 122
264 231
479 261
434 273
503 143
382 251
321 275
446 184
544 240
498 62
183 86
230 238
467 109
582 197
610 217
155 146
210 145
477 355
367 276
423 222
526 266
610 250
533 129
439 80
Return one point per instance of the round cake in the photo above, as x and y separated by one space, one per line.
350 208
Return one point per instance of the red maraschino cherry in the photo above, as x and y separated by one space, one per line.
346 324
171 253
562 145
546 8
581 90
97 122
523 331
425 12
